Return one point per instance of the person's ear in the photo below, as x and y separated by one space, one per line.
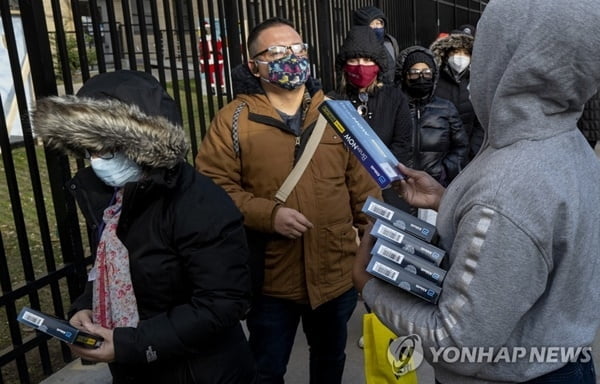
253 67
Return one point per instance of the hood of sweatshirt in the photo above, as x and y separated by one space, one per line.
507 79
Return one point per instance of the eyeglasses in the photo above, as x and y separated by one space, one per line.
278 51
414 74
104 156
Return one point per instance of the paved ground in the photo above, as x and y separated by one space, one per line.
297 373
75 373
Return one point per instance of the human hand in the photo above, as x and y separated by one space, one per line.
104 353
360 276
290 223
81 319
418 188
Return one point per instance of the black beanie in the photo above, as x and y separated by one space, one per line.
465 29
364 16
361 41
418 57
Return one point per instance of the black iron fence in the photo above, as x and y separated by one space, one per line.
51 47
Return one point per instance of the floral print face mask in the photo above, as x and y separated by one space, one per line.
289 72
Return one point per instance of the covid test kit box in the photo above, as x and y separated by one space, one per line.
364 143
410 263
58 328
400 219
407 243
392 273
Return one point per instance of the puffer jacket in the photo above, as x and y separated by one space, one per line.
185 237
589 122
316 267
454 87
440 141
440 138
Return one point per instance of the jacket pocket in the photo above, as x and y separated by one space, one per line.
327 157
338 247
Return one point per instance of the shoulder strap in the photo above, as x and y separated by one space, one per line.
311 146
235 135
294 176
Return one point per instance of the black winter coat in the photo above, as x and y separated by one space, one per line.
188 255
441 143
454 88
589 123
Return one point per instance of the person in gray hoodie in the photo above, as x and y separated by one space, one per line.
520 300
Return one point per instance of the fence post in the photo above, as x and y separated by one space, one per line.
325 44
44 83
233 24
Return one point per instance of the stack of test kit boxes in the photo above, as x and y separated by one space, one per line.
403 254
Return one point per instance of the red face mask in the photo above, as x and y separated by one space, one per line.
361 75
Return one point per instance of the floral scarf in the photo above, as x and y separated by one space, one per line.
114 303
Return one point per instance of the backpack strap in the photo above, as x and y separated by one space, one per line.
235 135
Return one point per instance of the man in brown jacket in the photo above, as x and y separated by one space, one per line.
310 239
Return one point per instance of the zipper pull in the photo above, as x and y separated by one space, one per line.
297 149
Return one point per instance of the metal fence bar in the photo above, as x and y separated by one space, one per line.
97 35
130 47
113 30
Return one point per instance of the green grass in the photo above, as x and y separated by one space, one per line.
35 247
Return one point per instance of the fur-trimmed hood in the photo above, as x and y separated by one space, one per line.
443 46
127 112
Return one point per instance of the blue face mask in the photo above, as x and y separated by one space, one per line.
380 33
116 171
289 72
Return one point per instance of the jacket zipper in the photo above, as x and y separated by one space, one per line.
296 149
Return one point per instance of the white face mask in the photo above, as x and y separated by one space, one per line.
117 171
459 62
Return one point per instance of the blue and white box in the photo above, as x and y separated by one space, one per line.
392 273
356 133
58 328
410 263
399 219
407 243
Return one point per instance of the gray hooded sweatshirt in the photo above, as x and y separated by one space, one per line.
521 223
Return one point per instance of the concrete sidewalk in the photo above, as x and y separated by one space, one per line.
75 373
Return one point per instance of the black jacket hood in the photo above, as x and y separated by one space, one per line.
364 16
402 58
125 111
362 42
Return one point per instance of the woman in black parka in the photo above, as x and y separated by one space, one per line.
440 142
361 65
170 282
452 55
